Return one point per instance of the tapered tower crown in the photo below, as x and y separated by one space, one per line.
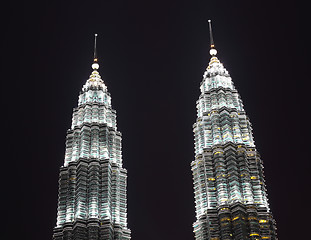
230 195
92 182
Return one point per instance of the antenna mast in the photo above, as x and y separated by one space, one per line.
95 55
95 64
213 51
211 33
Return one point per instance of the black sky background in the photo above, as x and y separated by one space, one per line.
152 58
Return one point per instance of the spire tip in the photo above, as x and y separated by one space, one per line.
212 51
95 65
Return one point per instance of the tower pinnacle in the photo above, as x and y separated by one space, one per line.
230 195
95 64
213 51
92 199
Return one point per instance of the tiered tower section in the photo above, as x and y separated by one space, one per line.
92 203
230 195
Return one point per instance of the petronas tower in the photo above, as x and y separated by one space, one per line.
92 202
229 186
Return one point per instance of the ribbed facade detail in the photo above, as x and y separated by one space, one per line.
92 203
229 187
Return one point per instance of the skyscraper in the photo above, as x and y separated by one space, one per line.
92 202
229 187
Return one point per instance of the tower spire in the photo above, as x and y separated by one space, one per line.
95 64
213 51
95 55
229 196
92 182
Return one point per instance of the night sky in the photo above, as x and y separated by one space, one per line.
152 56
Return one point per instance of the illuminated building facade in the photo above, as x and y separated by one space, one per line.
229 187
92 202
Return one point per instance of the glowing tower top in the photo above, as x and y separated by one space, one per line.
92 200
229 187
